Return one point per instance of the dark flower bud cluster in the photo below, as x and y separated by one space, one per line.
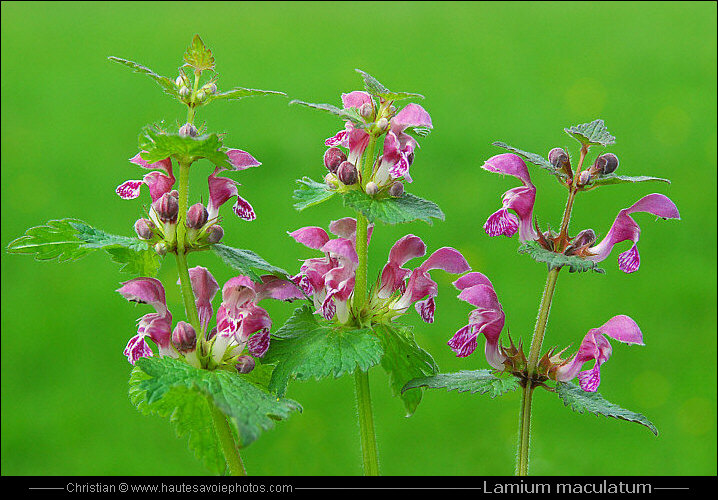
581 242
188 130
215 234
334 157
245 364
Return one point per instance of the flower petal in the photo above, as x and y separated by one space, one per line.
412 115
310 236
221 189
241 160
137 348
243 209
501 222
258 344
446 258
356 99
508 164
145 291
129 190
472 279
426 309
343 248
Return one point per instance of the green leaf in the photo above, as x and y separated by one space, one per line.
623 179
303 348
190 416
481 381
71 239
158 145
167 85
346 114
406 208
198 55
251 408
591 134
239 93
310 193
534 158
557 260
373 86
56 240
581 401
246 262
403 361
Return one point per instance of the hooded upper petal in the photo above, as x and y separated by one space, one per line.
145 291
356 99
241 160
412 115
205 287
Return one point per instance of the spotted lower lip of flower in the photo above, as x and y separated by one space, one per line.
157 326
420 286
222 189
596 347
520 199
488 319
625 228
158 183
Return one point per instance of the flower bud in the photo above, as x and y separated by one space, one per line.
184 91
212 333
366 110
584 239
215 234
331 180
382 124
188 130
144 229
392 110
347 173
210 88
371 188
200 95
559 159
333 157
196 216
396 189
167 207
605 164
245 364
584 178
161 249
179 80
184 337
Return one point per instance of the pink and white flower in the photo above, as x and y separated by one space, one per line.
487 319
398 154
595 347
159 182
625 228
520 199
157 326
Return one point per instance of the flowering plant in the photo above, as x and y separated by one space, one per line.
209 381
512 368
349 325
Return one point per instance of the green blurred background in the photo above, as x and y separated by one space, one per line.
517 72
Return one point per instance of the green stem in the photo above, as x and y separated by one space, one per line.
522 463
193 96
370 454
229 447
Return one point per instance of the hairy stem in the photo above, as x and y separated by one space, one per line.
563 234
193 96
370 455
522 459
229 447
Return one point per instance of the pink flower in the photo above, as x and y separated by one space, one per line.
488 319
222 189
353 138
596 347
158 183
399 147
241 322
157 325
520 200
204 287
625 228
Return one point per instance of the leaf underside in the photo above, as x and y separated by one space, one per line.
475 381
375 88
167 85
406 208
304 348
346 114
67 240
625 179
581 401
247 262
172 388
557 260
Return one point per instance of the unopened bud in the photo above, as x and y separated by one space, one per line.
605 164
210 88
196 216
144 229
215 234
366 110
331 180
188 130
584 178
347 173
212 333
245 364
179 81
396 189
184 91
585 238
559 159
184 337
166 207
382 124
392 110
161 249
200 95
174 193
371 188
333 157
